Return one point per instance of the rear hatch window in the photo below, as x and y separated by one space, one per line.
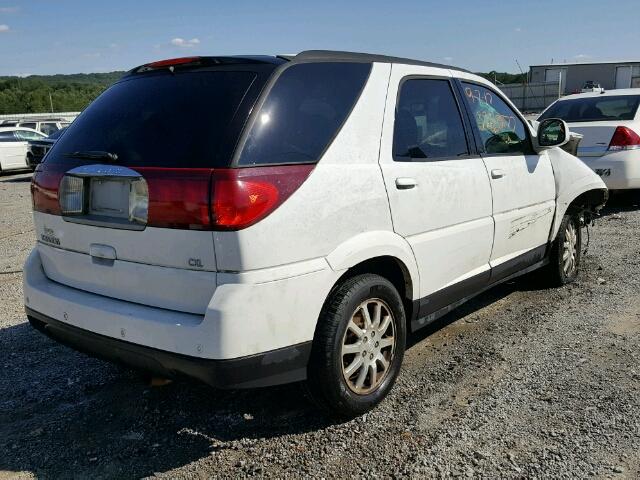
179 120
594 109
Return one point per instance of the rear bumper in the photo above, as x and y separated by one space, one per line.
250 316
619 170
280 366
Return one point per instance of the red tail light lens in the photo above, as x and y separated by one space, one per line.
178 197
172 62
242 196
624 139
195 198
44 189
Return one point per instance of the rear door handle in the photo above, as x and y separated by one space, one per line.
405 183
102 251
497 173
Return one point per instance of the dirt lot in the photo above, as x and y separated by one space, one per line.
521 382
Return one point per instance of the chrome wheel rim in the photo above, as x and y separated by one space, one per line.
368 346
570 251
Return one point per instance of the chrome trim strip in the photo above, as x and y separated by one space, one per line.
101 170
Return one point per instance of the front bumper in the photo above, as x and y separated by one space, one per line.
280 366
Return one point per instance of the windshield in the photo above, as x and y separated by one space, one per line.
594 109
179 120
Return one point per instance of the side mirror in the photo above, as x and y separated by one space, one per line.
552 132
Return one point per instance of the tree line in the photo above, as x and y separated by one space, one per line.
67 93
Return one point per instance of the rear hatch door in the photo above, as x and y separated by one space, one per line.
122 199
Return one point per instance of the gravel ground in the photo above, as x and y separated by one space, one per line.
520 382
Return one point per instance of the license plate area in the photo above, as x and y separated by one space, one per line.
109 197
114 197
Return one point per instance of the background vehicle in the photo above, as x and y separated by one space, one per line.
13 147
323 206
47 127
37 149
590 87
610 125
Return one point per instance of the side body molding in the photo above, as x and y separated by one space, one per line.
572 178
368 245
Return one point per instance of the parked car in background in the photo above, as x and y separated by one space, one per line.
590 87
610 125
322 206
47 127
37 149
14 142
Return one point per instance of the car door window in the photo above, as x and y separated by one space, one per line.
25 135
501 129
28 125
48 128
7 137
428 125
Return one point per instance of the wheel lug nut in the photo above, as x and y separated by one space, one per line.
364 354
373 334
377 344
371 357
366 339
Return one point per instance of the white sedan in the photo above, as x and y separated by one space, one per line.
14 142
610 125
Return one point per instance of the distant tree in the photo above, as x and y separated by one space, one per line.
69 93
503 77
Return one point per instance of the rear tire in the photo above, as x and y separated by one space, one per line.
358 346
566 252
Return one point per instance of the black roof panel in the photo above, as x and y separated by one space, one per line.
330 55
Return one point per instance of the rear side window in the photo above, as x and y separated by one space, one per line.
163 119
48 128
8 137
591 109
501 130
428 124
28 135
303 112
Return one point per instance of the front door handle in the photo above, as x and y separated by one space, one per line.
497 173
405 183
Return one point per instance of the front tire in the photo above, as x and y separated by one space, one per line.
358 346
565 255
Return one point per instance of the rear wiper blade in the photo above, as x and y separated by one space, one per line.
93 155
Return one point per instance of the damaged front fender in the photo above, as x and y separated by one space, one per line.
576 185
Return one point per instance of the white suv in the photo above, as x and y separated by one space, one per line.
321 207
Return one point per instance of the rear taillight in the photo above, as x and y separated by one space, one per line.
183 198
178 197
44 189
241 197
624 139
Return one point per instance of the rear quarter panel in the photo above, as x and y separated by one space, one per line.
343 197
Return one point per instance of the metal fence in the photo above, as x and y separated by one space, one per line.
68 116
532 97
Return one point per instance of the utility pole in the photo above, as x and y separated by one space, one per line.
560 84
50 101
